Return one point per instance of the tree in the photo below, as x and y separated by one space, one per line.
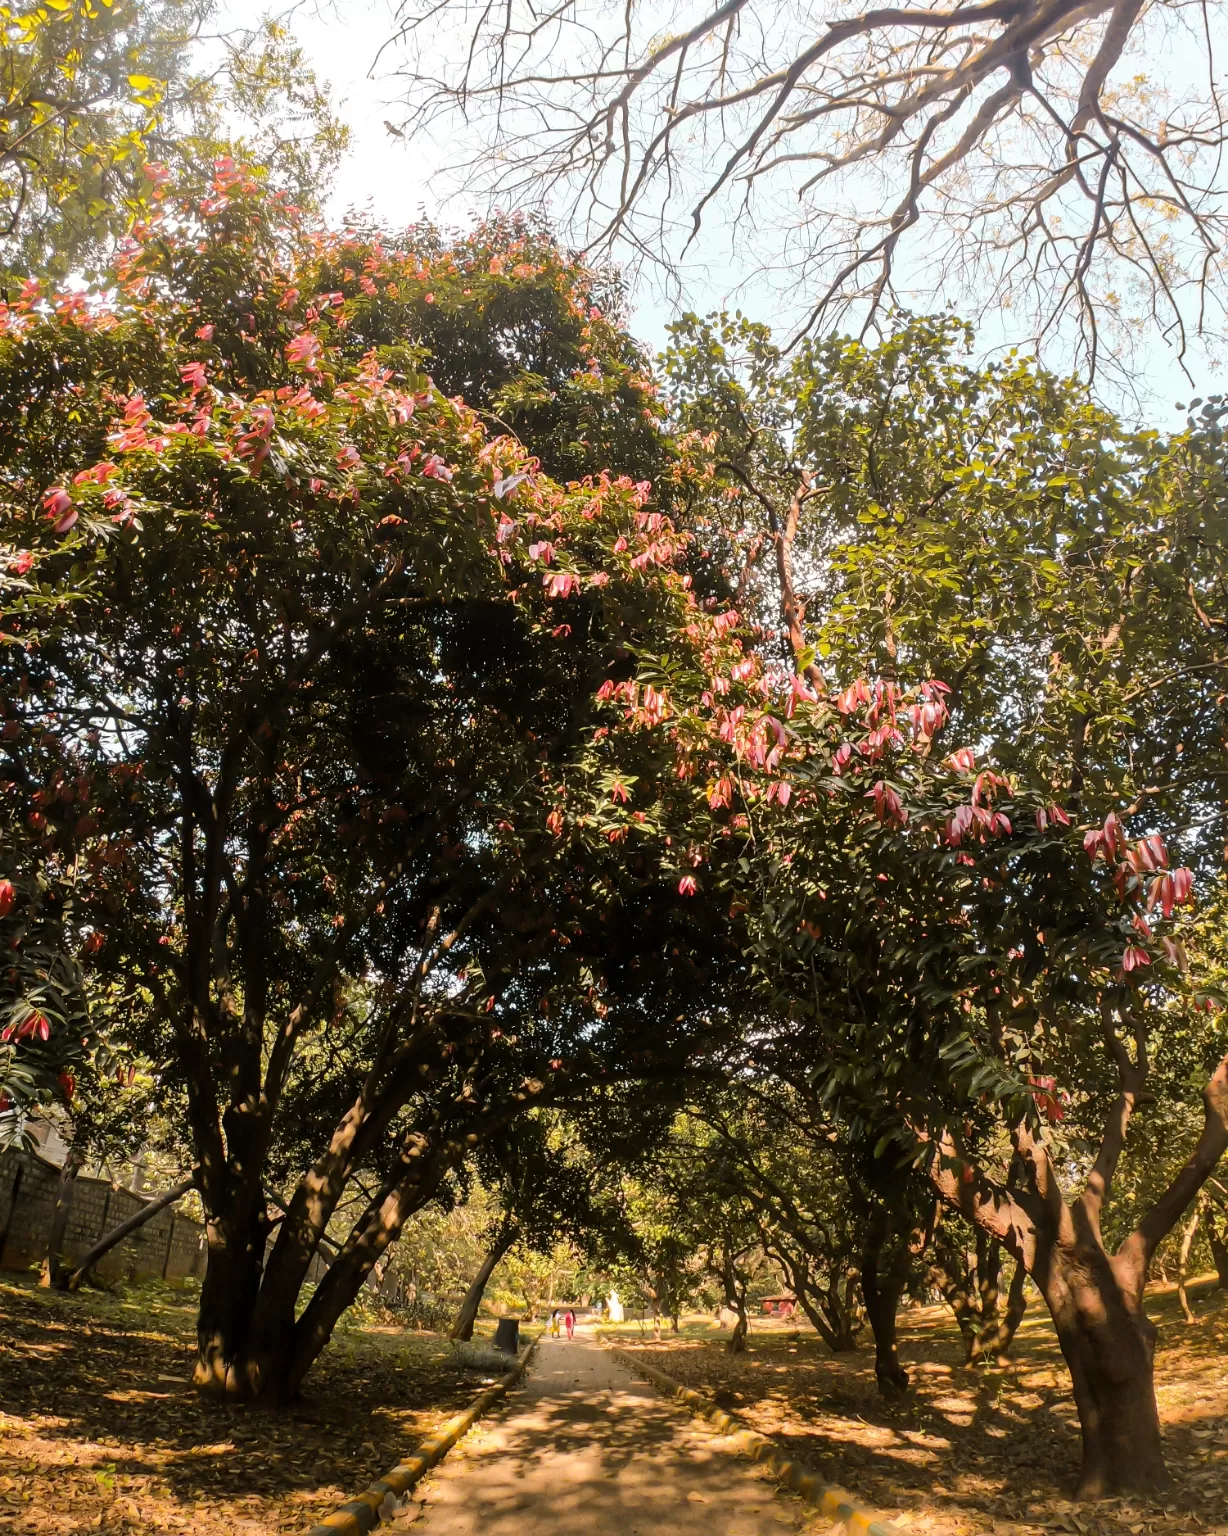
1022 152
897 510
542 1184
383 863
942 962
788 1175
967 1269
94 89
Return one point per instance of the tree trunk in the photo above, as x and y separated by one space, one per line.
463 1327
735 1299
1109 1345
882 1296
53 1271
997 1339
1219 1252
1183 1263
116 1235
420 1168
882 1304
830 1314
1096 1300
236 1242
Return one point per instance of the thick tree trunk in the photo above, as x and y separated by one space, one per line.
1096 1300
882 1306
463 1327
420 1167
1109 1345
116 1235
236 1242
53 1270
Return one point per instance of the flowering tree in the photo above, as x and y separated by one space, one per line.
989 950
379 861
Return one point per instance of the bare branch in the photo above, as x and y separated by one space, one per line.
1012 151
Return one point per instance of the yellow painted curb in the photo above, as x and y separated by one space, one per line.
365 1512
832 1501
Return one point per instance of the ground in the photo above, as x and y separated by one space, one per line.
584 1449
100 1431
978 1451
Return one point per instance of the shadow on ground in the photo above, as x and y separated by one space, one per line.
98 1418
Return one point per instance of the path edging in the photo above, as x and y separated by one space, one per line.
833 1502
358 1516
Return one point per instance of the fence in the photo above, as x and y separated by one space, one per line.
169 1245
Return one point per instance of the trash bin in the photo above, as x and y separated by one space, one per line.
507 1335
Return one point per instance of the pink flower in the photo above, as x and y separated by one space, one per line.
560 584
348 456
193 375
8 895
1134 957
1183 884
21 562
436 468
618 791
858 693
204 332
1046 1097
963 761
542 551
687 886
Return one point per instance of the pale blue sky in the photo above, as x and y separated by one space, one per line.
401 180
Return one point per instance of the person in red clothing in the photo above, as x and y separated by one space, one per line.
570 1321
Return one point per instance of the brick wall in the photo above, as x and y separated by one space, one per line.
170 1245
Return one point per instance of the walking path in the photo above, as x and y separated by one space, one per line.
582 1448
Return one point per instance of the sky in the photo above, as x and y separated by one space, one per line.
399 180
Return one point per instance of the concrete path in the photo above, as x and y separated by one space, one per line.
583 1449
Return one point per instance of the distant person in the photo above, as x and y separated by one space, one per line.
554 1324
570 1321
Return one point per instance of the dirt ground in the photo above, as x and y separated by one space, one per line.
979 1450
101 1432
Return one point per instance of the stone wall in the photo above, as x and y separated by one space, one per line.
170 1246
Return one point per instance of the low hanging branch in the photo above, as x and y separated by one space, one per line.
72 1281
1008 146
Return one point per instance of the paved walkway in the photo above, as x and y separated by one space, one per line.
583 1449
